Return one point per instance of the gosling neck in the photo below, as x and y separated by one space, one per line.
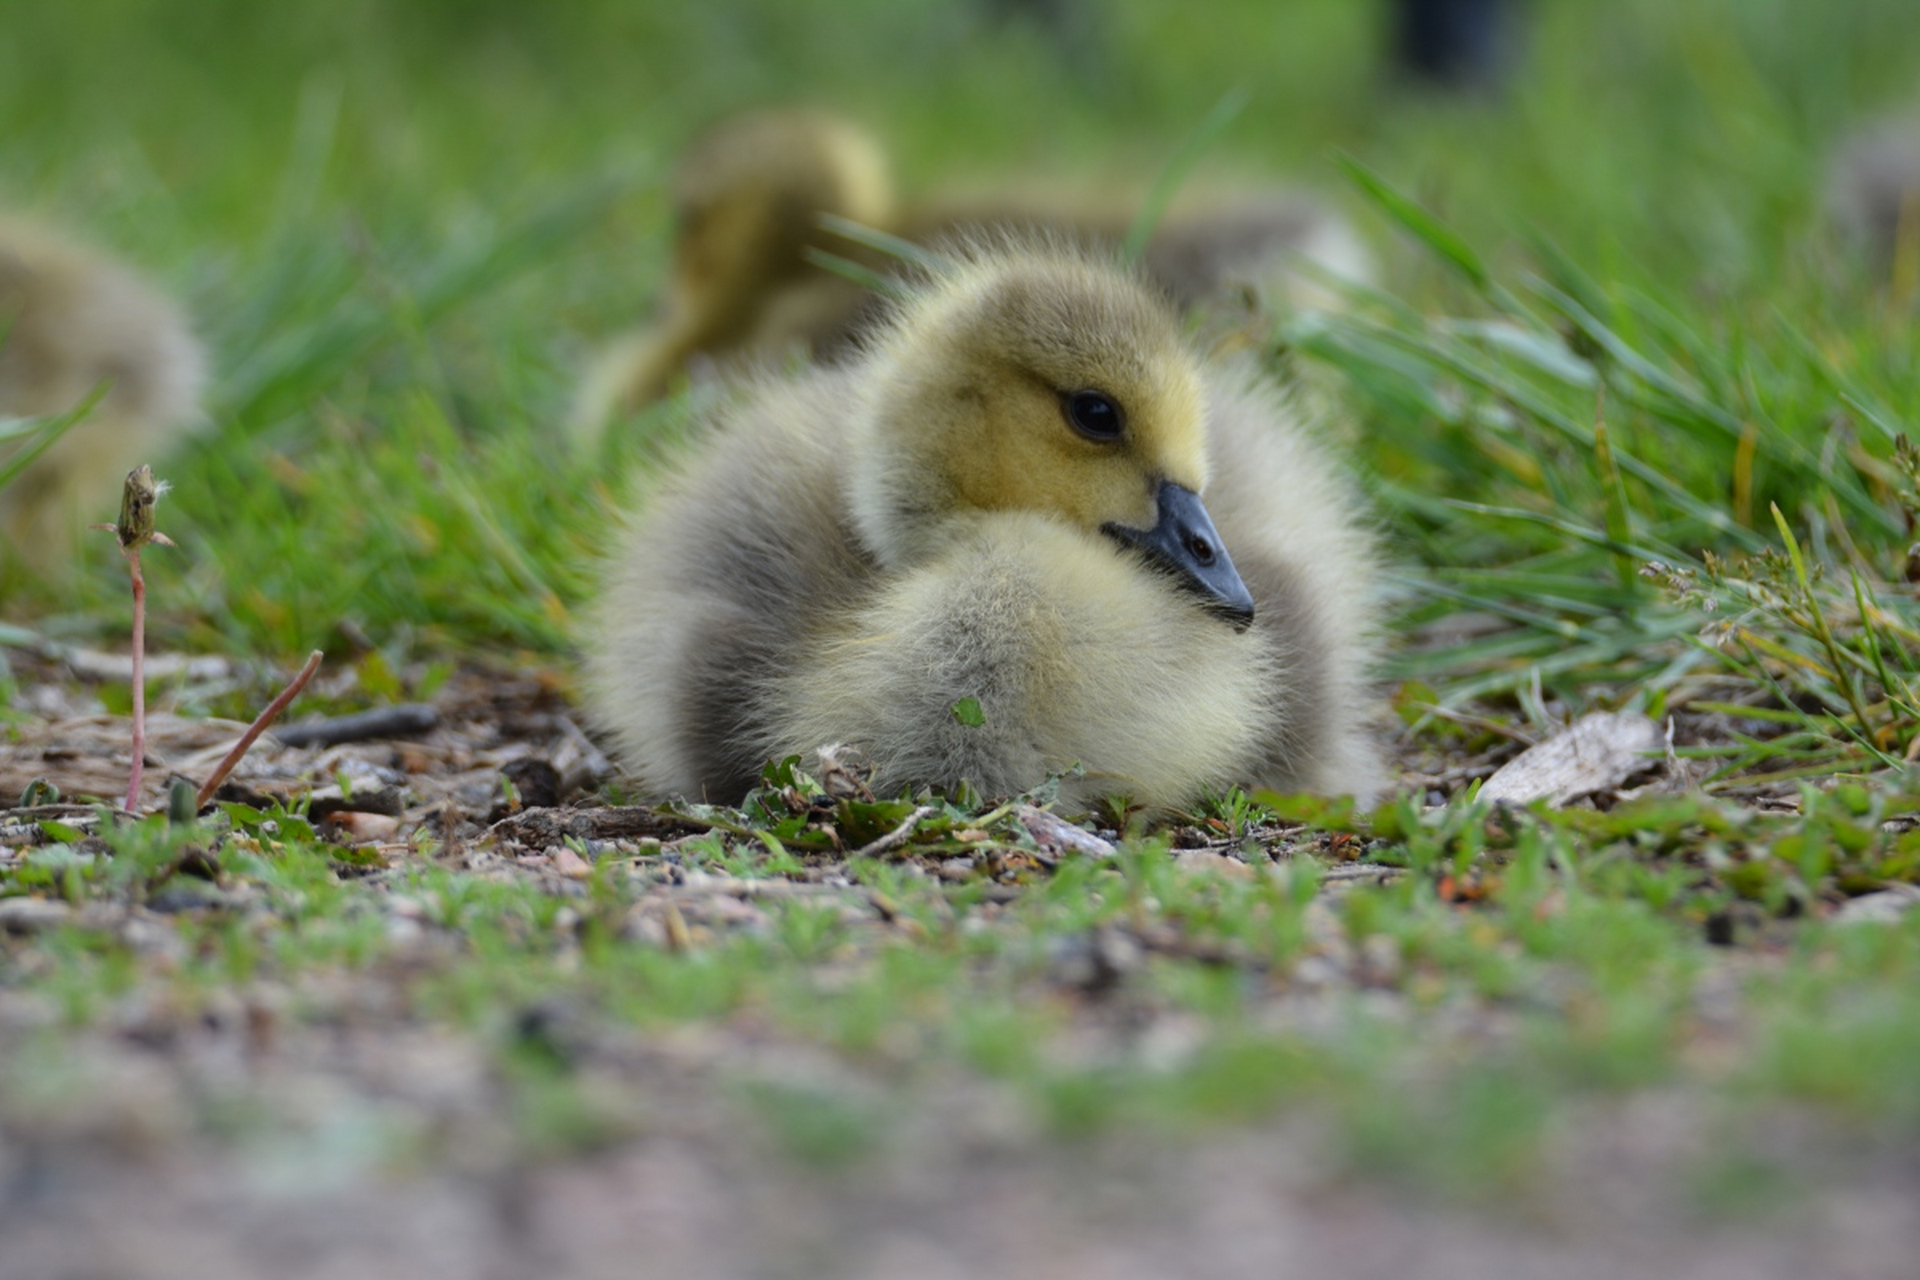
897 499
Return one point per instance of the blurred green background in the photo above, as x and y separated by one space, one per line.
1690 131
404 227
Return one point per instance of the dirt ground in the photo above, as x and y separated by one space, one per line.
699 1195
320 1130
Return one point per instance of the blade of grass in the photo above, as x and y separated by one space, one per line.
1423 226
1619 523
1840 672
1174 172
917 256
42 435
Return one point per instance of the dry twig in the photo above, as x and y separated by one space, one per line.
896 837
254 730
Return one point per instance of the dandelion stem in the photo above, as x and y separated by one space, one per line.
139 677
134 530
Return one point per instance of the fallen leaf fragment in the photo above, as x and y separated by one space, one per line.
1598 752
1889 906
1207 862
362 828
1056 835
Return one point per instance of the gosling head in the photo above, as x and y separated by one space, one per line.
1035 379
748 195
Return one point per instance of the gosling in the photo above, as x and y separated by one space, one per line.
998 508
748 199
73 321
1873 191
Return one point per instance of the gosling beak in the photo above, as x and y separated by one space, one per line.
1185 543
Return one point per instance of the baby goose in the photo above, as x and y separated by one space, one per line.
999 501
1873 190
72 320
748 200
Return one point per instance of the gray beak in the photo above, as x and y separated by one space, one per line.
1185 544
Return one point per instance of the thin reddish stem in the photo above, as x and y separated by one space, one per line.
254 730
139 678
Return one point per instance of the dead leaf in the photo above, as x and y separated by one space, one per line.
1056 835
362 828
1598 753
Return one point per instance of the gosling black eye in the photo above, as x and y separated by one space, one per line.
1094 415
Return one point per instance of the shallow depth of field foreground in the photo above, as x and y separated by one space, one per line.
1633 394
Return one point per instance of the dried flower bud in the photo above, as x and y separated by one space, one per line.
137 501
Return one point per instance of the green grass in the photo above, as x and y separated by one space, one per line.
1575 971
1614 332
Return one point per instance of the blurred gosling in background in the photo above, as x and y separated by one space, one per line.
748 196
1873 194
72 321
